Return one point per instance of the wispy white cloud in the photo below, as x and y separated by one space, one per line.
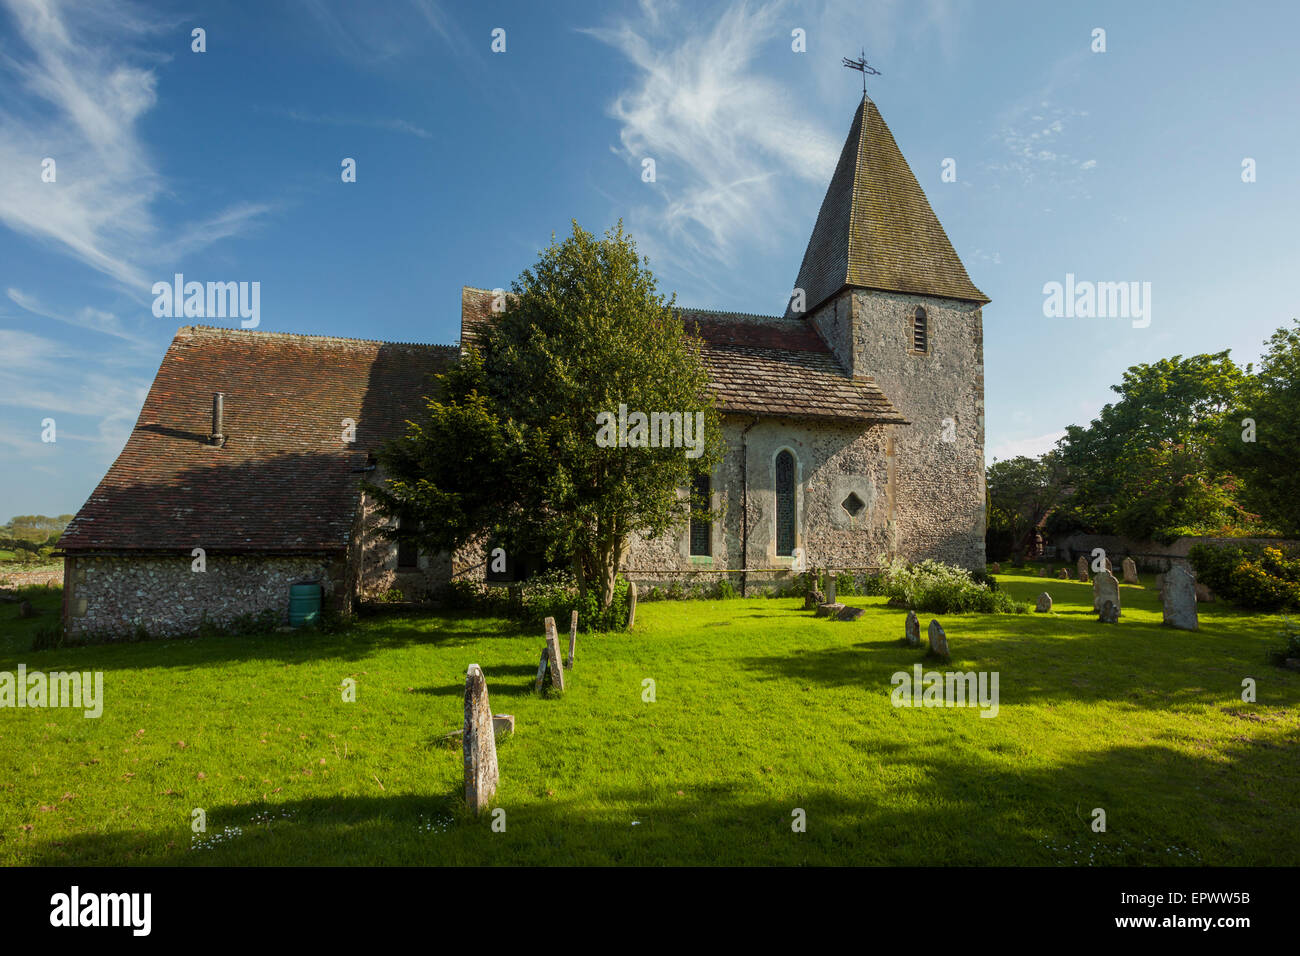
90 319
75 89
367 122
372 33
723 134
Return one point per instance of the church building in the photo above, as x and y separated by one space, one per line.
854 429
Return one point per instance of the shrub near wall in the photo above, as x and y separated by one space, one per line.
939 588
1253 576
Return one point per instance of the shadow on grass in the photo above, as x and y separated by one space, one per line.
1164 807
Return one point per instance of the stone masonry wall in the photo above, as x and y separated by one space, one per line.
831 462
938 468
112 596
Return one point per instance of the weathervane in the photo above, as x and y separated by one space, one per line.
860 64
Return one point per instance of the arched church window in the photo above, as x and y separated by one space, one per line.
920 330
785 504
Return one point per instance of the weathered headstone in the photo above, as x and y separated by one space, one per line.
912 630
553 655
829 609
1105 588
1109 613
1130 571
1083 576
938 641
631 605
480 746
1041 573
1081 568
1044 603
573 637
1063 574
542 667
1179 599
850 613
830 587
814 599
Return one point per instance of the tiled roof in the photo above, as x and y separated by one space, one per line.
876 229
757 364
285 480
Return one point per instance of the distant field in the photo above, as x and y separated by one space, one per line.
760 710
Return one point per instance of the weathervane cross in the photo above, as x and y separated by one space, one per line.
860 64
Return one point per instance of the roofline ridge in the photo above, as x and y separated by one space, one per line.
266 333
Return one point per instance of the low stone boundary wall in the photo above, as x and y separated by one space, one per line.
22 579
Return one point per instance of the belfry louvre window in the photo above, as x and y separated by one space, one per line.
785 504
920 330
701 529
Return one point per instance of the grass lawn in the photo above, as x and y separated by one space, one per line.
760 709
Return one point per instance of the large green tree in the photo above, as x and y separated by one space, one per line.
508 451
1021 492
1144 467
1260 441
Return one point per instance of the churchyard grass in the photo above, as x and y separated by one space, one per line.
759 709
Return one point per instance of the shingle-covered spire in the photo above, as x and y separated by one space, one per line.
876 229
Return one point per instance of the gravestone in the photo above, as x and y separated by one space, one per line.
830 587
631 605
1109 612
1044 603
829 609
1110 569
553 655
1105 588
1130 571
542 667
1063 574
938 641
814 599
503 724
850 613
1083 576
912 630
1042 573
479 742
573 637
1179 599
1081 568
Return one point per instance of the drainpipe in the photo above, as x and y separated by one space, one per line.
744 505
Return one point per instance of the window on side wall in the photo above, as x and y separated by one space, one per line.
785 504
701 529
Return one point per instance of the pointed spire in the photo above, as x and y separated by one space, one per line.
876 229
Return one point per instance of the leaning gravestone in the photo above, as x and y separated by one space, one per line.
1044 603
1081 567
573 637
479 741
631 605
1109 612
553 655
1105 588
938 641
1179 598
1130 571
912 630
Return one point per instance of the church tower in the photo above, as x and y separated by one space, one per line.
883 287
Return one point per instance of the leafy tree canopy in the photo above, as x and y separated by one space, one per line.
508 452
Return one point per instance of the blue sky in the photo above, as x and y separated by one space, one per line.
225 166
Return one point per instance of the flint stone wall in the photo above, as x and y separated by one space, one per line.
113 596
